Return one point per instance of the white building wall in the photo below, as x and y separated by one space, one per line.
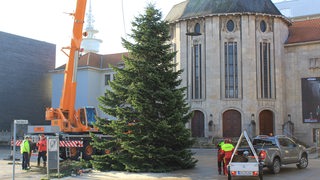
87 91
57 85
103 87
89 88
297 58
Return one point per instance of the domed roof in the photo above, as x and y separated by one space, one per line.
196 8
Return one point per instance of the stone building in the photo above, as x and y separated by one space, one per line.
245 65
25 86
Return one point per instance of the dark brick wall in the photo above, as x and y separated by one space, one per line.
25 84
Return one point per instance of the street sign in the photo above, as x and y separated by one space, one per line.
53 145
21 121
53 154
16 122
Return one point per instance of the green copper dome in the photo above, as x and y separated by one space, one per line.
196 8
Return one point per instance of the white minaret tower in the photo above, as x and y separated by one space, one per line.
90 43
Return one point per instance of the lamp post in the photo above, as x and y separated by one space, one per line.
211 124
252 125
252 118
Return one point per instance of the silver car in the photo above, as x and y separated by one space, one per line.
275 151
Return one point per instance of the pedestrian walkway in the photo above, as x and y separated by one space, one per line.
206 169
34 173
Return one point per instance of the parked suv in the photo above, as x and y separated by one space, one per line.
275 151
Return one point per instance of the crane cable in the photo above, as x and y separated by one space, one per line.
123 20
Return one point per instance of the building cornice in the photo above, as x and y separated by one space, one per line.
302 43
285 19
81 68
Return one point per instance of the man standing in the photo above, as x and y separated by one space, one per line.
32 147
227 150
220 157
25 151
42 150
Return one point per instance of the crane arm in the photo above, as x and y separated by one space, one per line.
67 101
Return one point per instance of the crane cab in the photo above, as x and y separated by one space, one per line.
87 116
81 121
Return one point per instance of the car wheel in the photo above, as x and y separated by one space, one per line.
276 165
303 163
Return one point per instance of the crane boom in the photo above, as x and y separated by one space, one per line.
69 90
66 117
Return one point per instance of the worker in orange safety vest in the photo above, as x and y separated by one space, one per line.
227 150
42 150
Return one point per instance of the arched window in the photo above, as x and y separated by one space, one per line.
197 29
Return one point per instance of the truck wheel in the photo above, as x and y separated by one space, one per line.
303 162
62 154
87 151
74 153
275 168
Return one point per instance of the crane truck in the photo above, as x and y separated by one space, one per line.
73 126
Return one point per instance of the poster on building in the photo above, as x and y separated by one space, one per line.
310 88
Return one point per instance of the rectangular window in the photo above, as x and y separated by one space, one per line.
231 70
314 63
315 133
265 70
196 72
107 78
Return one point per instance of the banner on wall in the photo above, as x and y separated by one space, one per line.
310 88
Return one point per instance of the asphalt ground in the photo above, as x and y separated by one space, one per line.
206 169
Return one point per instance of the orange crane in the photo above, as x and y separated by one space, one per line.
73 126
66 117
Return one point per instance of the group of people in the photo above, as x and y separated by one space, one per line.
27 147
225 150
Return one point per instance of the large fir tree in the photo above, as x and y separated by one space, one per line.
149 134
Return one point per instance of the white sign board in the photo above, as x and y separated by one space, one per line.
21 121
52 145
52 154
